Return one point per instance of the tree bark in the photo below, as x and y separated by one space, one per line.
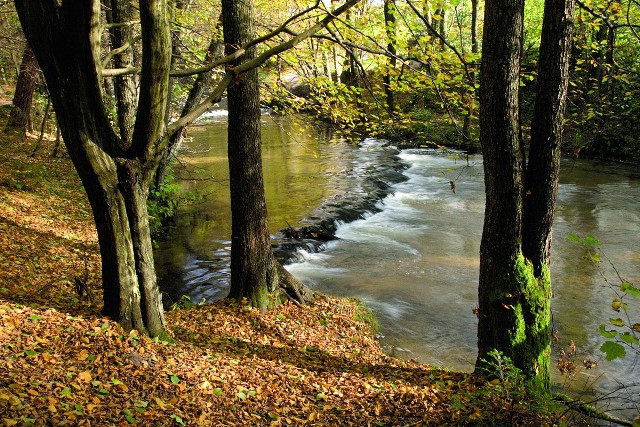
500 325
390 28
470 95
543 168
125 87
116 175
515 291
255 273
20 115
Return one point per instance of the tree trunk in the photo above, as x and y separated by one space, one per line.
255 273
196 94
541 178
543 169
390 27
125 87
515 291
20 117
470 96
503 279
115 174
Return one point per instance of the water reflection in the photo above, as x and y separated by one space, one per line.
415 260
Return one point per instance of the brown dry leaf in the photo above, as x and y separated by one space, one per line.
64 364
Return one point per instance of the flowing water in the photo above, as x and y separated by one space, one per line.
414 257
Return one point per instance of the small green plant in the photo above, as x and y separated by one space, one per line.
163 202
623 331
185 302
364 314
504 373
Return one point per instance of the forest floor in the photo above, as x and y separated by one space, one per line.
228 365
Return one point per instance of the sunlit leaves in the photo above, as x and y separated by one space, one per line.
630 289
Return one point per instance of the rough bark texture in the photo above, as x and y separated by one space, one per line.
66 39
121 12
541 178
390 28
255 273
471 94
500 319
543 169
515 291
19 117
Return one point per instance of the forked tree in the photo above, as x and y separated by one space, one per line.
65 36
515 288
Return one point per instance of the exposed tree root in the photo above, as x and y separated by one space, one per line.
294 289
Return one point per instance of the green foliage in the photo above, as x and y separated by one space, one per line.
163 202
517 390
366 315
605 89
185 302
623 331
501 368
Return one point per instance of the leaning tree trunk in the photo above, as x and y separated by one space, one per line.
115 174
196 94
19 117
255 273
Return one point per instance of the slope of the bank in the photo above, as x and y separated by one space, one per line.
63 364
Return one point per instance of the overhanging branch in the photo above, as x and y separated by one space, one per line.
254 63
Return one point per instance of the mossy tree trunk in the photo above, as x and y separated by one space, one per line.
500 314
514 286
255 273
116 173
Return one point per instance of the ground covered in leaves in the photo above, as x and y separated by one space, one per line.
228 365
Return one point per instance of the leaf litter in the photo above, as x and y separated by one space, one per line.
227 365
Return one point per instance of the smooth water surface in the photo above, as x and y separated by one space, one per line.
415 262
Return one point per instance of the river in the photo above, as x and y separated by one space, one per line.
413 255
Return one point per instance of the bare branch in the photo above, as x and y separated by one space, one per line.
119 50
113 72
121 24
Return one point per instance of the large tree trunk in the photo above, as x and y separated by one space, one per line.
543 169
20 117
255 273
515 290
115 174
503 279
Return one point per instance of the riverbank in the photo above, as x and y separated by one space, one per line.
229 364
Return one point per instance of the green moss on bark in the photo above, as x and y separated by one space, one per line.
533 310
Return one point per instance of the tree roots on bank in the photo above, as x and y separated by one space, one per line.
293 289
